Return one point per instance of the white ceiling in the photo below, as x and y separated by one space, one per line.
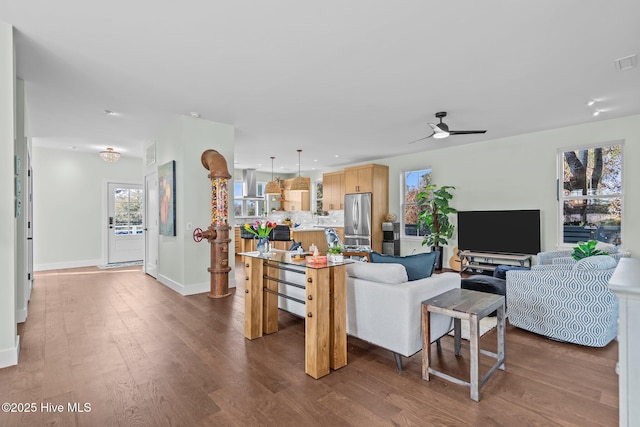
359 79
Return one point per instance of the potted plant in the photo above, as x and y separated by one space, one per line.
585 250
335 254
433 203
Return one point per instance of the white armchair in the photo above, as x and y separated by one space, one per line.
385 309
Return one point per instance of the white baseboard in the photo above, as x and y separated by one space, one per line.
21 315
198 288
9 357
70 264
183 290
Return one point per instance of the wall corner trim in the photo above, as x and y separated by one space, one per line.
9 357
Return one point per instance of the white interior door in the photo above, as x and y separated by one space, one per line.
124 222
29 246
151 231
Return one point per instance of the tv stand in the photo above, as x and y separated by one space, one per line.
486 261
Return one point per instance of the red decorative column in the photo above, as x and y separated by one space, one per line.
218 232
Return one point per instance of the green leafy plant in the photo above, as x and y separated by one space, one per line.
585 250
433 203
335 250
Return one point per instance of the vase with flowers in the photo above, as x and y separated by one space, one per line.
261 229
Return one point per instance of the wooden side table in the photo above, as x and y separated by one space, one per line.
471 306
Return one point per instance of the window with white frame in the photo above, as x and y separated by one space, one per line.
590 194
248 207
412 182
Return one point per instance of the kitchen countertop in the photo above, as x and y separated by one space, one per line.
314 228
308 228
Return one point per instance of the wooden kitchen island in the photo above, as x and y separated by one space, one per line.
325 306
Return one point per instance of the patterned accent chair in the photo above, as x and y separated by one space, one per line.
566 302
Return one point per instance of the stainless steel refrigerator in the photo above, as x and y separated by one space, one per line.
357 220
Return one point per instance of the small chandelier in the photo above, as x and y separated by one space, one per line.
272 187
109 155
299 183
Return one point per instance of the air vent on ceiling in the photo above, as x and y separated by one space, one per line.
626 63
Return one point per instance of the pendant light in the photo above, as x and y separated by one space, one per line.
272 187
109 155
299 183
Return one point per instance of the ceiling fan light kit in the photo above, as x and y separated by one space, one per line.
441 130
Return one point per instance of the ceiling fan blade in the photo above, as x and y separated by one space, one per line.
426 137
465 132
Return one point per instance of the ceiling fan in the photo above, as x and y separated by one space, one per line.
441 130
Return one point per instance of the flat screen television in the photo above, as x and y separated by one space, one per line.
508 232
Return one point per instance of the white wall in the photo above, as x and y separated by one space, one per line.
70 204
183 263
23 290
9 344
520 173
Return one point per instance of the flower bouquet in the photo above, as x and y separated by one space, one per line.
260 228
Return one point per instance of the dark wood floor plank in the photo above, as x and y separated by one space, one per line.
141 354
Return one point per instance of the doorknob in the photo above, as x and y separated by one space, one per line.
110 222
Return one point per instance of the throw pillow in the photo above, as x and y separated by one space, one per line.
598 262
392 274
607 247
418 266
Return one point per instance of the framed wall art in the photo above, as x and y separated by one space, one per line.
167 197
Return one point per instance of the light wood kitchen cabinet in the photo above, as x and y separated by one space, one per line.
295 200
237 241
362 179
333 191
372 179
311 237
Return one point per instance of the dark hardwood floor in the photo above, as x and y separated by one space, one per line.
140 354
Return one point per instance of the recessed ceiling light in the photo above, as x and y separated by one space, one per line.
109 113
596 113
195 114
336 155
591 102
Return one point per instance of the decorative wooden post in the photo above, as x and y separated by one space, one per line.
218 232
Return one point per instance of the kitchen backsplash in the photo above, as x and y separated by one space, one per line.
304 218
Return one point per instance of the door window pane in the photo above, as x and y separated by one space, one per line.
128 211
